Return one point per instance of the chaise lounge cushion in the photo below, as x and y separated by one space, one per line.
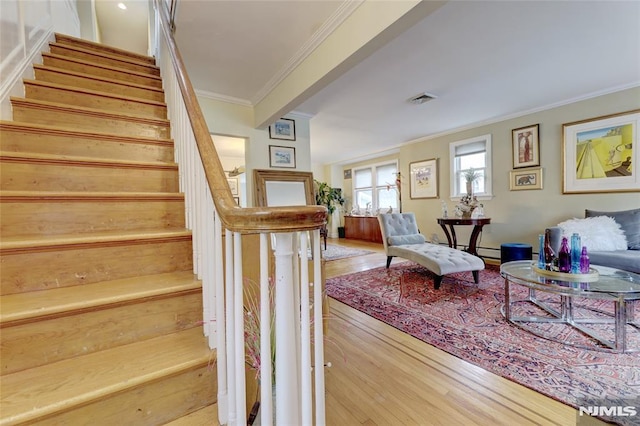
441 260
401 238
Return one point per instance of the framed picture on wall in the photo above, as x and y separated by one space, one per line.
282 156
602 154
284 129
526 146
525 179
423 179
233 184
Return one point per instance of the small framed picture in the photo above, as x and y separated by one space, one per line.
282 156
346 174
525 179
423 177
233 184
284 129
526 146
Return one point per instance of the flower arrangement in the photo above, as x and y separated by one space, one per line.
466 205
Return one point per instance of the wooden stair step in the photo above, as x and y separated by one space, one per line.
48 172
60 242
131 384
34 213
207 416
93 82
91 119
28 307
54 92
74 321
103 58
101 70
73 260
99 47
38 138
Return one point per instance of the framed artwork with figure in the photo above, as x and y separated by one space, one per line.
526 146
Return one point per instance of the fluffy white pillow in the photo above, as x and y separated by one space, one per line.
599 233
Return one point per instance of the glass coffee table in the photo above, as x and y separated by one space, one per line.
601 309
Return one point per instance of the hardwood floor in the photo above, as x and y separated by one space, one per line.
381 376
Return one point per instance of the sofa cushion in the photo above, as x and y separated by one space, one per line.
399 240
599 233
629 221
627 260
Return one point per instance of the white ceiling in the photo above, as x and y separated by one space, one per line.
485 60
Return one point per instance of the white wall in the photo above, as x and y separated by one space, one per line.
517 216
27 26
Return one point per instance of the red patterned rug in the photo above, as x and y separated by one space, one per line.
465 320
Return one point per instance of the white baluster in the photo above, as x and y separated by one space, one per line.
231 325
287 395
221 364
305 333
318 339
266 401
241 398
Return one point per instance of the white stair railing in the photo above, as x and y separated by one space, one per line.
216 221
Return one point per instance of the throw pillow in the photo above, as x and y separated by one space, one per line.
629 221
399 240
600 233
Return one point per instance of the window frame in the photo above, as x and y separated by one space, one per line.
375 188
457 193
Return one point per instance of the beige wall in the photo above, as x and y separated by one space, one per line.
517 216
230 119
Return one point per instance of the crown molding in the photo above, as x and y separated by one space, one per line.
300 115
223 98
328 27
527 112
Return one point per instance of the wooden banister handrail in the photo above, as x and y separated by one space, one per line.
233 217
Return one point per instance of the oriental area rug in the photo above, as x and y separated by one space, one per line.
465 320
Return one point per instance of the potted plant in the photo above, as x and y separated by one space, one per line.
329 197
471 176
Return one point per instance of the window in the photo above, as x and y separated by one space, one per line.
375 187
474 153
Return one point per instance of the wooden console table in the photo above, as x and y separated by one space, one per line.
365 228
477 228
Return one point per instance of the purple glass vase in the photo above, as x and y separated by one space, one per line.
584 261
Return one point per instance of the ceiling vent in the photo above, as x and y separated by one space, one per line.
422 98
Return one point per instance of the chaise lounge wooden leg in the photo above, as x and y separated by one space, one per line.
436 282
476 276
389 261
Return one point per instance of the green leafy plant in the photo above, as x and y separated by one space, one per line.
329 197
471 175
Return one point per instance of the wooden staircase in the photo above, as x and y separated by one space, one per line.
100 311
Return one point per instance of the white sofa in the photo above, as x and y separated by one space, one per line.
401 238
